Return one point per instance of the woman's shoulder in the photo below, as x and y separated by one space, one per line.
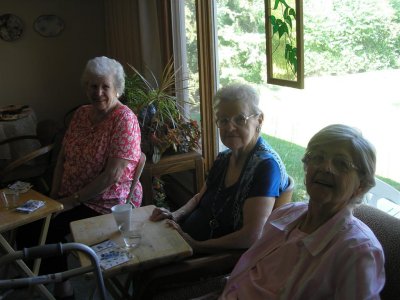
268 160
265 150
123 112
83 109
80 113
362 232
289 208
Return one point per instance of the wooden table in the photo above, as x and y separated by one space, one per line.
171 164
160 244
10 219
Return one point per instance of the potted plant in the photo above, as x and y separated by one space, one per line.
163 126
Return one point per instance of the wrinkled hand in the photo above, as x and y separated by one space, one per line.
192 242
160 213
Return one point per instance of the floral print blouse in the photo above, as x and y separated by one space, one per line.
87 149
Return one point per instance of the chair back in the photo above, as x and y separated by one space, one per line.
285 196
387 230
30 166
385 197
136 176
26 158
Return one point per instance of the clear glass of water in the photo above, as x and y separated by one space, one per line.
10 200
132 234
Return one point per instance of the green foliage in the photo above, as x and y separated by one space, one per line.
141 93
241 38
340 37
355 36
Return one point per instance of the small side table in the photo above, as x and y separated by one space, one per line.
171 164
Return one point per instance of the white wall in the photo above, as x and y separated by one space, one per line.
45 72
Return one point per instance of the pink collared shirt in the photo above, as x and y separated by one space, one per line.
341 260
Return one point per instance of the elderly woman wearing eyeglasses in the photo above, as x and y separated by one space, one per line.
318 250
238 197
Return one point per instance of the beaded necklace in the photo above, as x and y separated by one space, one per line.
214 224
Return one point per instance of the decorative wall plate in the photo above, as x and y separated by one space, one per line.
48 25
11 27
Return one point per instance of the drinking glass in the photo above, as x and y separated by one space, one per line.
10 200
132 234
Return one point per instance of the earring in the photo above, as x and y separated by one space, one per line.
258 128
117 95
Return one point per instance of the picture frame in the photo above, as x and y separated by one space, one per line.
11 27
49 25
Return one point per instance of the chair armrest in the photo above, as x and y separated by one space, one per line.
24 159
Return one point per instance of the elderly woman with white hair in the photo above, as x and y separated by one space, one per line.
99 155
101 148
238 197
318 250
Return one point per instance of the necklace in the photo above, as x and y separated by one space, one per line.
214 224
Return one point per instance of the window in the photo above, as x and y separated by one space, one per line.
351 68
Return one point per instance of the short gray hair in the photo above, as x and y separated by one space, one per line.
104 66
363 151
240 92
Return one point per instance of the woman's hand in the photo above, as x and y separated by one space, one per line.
160 213
192 242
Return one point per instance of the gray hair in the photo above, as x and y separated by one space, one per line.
238 92
363 151
104 66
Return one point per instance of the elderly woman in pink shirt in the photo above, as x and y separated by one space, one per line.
318 250
101 148
99 155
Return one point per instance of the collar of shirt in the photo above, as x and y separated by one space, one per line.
319 239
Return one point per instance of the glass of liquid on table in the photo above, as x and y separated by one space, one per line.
131 233
9 199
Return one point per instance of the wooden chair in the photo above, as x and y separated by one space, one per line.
136 176
197 267
29 167
286 196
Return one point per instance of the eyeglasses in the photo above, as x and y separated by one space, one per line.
339 163
238 121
